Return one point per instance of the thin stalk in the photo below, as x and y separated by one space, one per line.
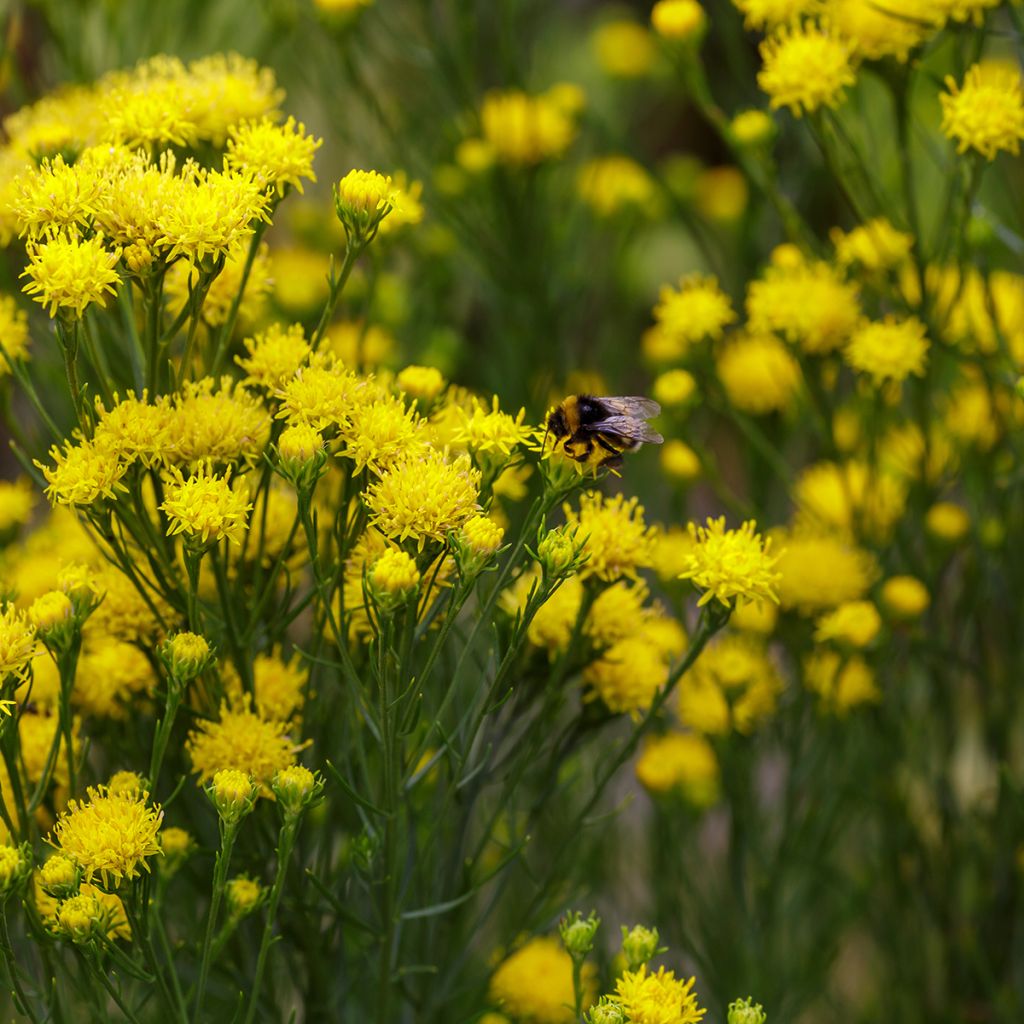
289 830
229 830
19 996
337 284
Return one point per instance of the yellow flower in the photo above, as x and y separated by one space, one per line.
698 309
82 918
885 28
947 522
205 507
490 430
50 610
482 536
770 14
300 443
733 685
680 761
395 573
186 655
210 213
657 998
422 382
59 876
680 461
233 792
852 497
875 245
855 623
627 675
614 535
986 113
13 333
423 496
219 421
240 741
380 433
806 66
133 428
68 274
124 613
226 89
535 983
752 127
682 20
17 643
277 154
322 394
721 193
109 834
841 683
755 617
617 612
176 844
821 571
759 373
623 49
362 199
890 349
808 303
609 184
730 564
112 675
905 597
674 387
274 355
243 896
55 198
82 474
523 130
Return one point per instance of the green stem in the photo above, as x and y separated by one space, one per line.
286 844
229 831
337 284
18 994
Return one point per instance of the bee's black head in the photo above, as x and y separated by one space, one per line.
558 424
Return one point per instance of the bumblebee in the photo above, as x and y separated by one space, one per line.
598 430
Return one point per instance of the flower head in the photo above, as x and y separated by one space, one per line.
274 355
697 309
362 199
423 496
678 19
885 28
13 333
205 507
730 564
82 474
808 303
277 154
759 373
614 535
855 623
109 834
806 66
875 245
394 573
67 274
657 998
890 349
905 597
17 643
681 761
766 15
523 130
425 382
840 682
986 113
821 571
243 741
535 983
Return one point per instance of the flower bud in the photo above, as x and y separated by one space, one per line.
128 783
607 1011
233 794
578 933
302 455
177 846
243 896
296 788
681 21
394 577
83 918
362 199
15 868
746 1011
185 656
558 552
50 611
60 877
753 128
639 945
425 382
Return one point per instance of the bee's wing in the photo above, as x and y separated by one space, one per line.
633 405
627 427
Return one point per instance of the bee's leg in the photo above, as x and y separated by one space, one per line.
608 447
582 447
